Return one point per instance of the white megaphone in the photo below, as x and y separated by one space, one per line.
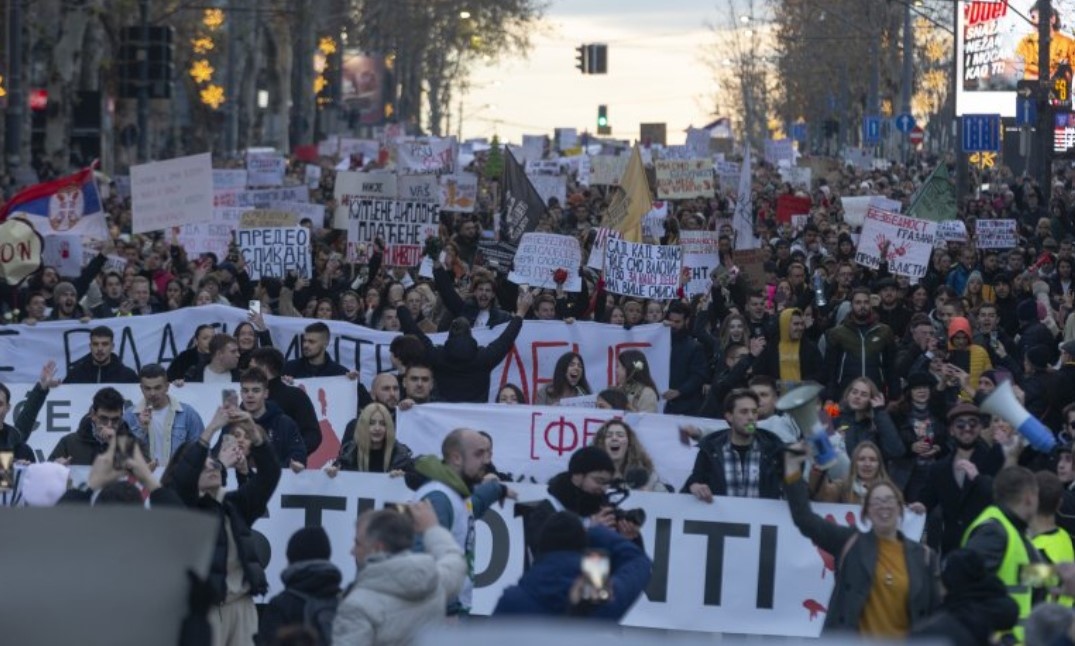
1002 403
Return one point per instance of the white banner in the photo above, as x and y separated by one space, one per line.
64 253
333 398
684 178
171 193
459 192
158 338
550 186
275 251
995 234
734 566
316 212
265 169
540 255
909 243
229 179
426 155
214 236
700 257
642 270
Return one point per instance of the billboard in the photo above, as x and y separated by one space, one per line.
363 86
997 46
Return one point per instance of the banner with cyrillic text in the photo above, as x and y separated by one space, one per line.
541 255
158 338
995 234
700 258
904 242
642 270
275 251
683 178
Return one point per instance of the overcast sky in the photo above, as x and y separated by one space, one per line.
656 71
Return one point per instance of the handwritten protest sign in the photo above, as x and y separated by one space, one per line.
606 170
229 179
459 192
995 234
797 176
950 231
262 218
169 193
550 186
418 188
213 236
540 255
354 186
312 176
396 222
700 257
426 155
597 252
316 212
855 209
909 243
261 199
265 169
789 205
680 179
543 167
653 222
642 270
275 251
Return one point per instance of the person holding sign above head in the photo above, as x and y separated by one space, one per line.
886 584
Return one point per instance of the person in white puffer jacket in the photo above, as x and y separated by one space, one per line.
397 592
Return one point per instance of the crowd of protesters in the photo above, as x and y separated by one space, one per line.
905 365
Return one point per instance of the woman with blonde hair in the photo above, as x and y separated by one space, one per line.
863 417
630 458
373 447
867 468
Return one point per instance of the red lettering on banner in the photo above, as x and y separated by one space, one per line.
514 356
980 11
614 354
538 380
560 434
8 251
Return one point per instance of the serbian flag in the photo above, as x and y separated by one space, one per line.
70 206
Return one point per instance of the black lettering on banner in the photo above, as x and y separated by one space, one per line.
127 337
313 505
4 368
356 345
657 591
715 534
364 505
293 349
168 351
55 412
501 549
767 567
68 357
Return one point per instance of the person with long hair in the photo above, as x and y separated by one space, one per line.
510 394
885 582
632 374
863 417
866 469
374 447
630 458
734 329
350 308
197 352
568 380
251 335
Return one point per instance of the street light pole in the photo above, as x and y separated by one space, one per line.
16 102
908 72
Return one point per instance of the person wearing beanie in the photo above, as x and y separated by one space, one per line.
65 303
971 358
311 586
555 585
1042 387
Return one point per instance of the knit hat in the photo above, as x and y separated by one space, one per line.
1027 311
309 544
920 380
64 287
589 459
43 483
562 532
1038 356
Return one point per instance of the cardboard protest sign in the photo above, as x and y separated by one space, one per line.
275 251
909 243
265 169
682 179
64 253
169 193
606 170
700 257
418 188
229 179
426 155
751 265
214 236
540 255
353 186
316 212
459 192
642 270
789 205
996 234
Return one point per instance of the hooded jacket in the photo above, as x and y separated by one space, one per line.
315 578
975 356
85 371
462 368
283 434
396 596
811 365
545 587
82 446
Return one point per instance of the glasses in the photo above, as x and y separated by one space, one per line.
967 424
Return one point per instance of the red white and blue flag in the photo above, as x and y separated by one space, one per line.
69 206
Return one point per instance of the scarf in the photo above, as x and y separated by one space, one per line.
789 350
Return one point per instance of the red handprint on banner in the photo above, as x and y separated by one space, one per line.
814 607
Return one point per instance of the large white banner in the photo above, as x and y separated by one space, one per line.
172 192
333 399
906 243
734 566
158 338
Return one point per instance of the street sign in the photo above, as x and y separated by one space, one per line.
981 133
905 122
871 130
1026 111
916 135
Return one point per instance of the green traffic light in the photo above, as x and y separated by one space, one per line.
602 121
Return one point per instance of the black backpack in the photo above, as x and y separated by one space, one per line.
318 614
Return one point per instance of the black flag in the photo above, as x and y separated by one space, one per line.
521 208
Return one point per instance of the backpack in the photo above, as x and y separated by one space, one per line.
318 614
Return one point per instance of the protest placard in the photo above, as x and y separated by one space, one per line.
312 176
582 401
123 185
394 221
329 146
751 265
353 186
799 221
653 222
778 150
698 141
566 138
229 179
642 270
797 176
855 209
540 255
214 236
316 212
366 149
597 252
543 167
909 243
860 158
172 192
64 253
418 188
684 178
263 218
950 231
459 192
607 170
533 148
425 155
275 251
548 186
700 257
262 198
996 234
265 169
789 205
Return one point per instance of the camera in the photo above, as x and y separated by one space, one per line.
618 493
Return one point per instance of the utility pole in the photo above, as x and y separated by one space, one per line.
143 81
231 107
957 120
16 100
1045 112
908 73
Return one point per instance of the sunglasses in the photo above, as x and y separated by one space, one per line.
967 424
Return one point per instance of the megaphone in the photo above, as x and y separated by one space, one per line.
801 404
1002 403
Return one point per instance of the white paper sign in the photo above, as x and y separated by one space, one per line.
427 155
951 231
996 234
459 192
855 208
214 236
653 222
170 193
607 170
642 270
909 240
684 178
64 253
316 212
539 256
312 176
265 169
548 186
275 251
700 257
229 179
533 147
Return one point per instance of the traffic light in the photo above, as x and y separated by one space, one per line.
602 116
582 55
598 59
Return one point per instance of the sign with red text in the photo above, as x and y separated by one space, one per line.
905 243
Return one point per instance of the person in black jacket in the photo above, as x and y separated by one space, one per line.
309 577
462 368
15 438
95 431
480 310
315 361
101 365
198 479
741 461
688 370
283 433
223 364
292 400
